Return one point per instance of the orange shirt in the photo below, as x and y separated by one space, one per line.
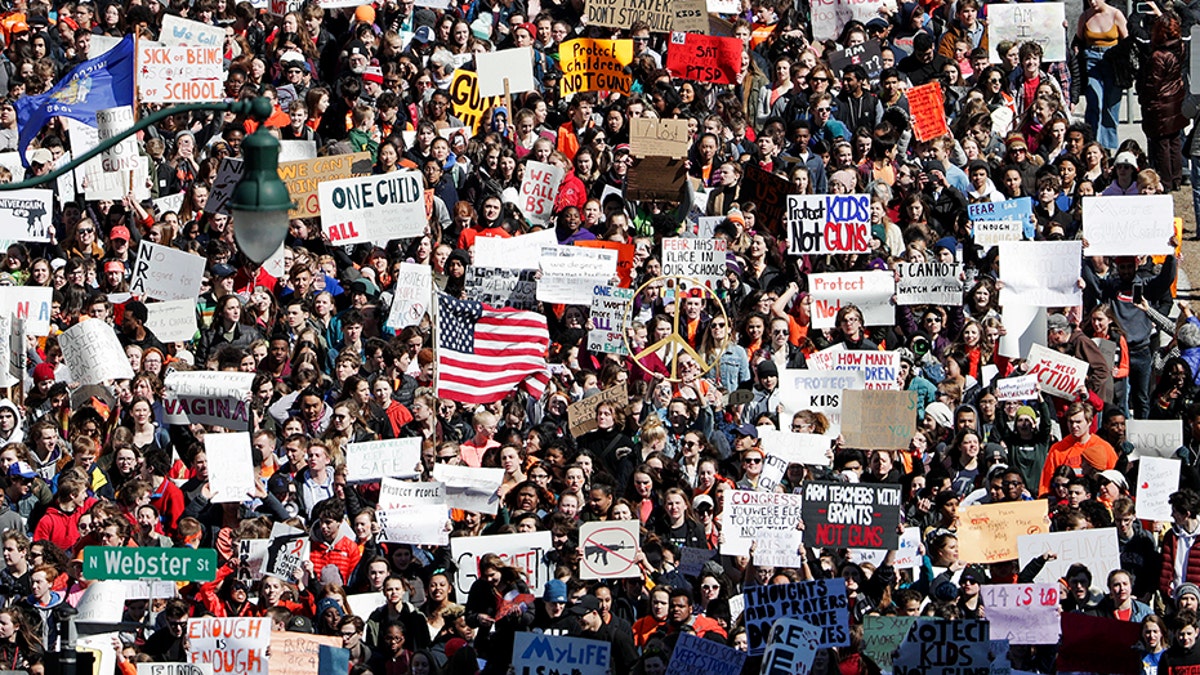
1069 451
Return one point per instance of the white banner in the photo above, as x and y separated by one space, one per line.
93 353
569 273
469 488
513 253
230 469
172 320
373 209
1040 273
1157 480
871 291
208 397
375 460
165 273
1058 374
412 295
929 283
26 215
1128 225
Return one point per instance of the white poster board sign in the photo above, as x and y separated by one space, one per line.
416 513
512 65
768 519
209 397
1154 438
1058 374
1095 548
230 469
375 460
570 273
379 208
172 320
818 390
469 488
30 304
93 353
1157 480
1040 273
526 551
166 273
871 291
1128 224
539 189
26 215
411 295
513 253
1040 22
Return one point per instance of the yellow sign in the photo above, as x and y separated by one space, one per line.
303 175
987 533
465 100
595 65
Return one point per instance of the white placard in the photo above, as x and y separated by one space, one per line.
830 16
1040 273
610 304
416 513
99 45
880 370
469 488
1095 548
526 551
1057 374
219 398
770 519
818 390
93 353
375 460
379 208
165 273
179 73
112 122
1154 438
102 602
988 233
29 303
700 259
929 283
539 189
1023 614
871 291
230 469
1025 326
513 253
610 549
179 31
514 65
295 150
1020 388
1128 224
228 174
1040 22
174 669
169 203
26 215
1157 480
172 320
796 448
411 295
570 273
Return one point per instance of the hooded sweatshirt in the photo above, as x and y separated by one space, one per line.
18 433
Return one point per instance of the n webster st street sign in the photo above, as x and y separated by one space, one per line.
135 564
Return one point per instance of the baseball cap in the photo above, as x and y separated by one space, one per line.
423 35
1114 476
1127 158
40 156
221 270
356 48
22 470
746 430
43 372
702 501
1057 322
586 605
119 232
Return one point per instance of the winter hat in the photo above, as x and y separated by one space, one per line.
43 372
941 414
1027 411
1186 589
327 603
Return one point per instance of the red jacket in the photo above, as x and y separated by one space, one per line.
168 499
343 554
62 529
1191 570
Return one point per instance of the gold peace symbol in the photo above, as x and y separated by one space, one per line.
675 339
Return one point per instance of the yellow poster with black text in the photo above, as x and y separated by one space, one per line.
595 65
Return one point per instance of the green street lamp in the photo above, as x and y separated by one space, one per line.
260 201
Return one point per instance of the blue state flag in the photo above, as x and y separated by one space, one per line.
100 83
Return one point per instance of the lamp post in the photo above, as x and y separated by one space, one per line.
260 202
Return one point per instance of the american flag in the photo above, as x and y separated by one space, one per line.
483 353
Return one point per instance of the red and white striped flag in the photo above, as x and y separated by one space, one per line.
483 353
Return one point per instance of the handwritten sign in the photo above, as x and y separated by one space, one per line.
623 14
208 397
988 533
880 370
414 513
1040 22
769 192
933 283
595 65
470 488
704 58
500 287
696 655
1023 614
294 653
25 215
569 273
1128 225
535 653
1157 480
988 233
610 549
165 273
1095 548
828 224
1154 438
767 519
830 16
526 551
466 101
691 16
822 603
656 179
230 645
539 188
375 460
696 259
1057 374
842 515
609 306
511 68
1019 210
928 106
93 353
373 209
882 634
665 137
173 320
869 55
878 419
1040 273
871 291
938 647
818 389
304 175
179 74
581 415
1020 388
791 647
411 295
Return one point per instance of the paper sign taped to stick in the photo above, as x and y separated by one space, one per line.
1157 480
1131 225
93 353
988 533
1058 374
514 65
465 100
841 515
376 460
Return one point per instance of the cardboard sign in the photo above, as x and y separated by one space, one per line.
692 559
514 253
303 176
871 291
1040 273
26 215
1058 374
929 283
376 460
208 397
988 233
411 295
525 551
928 107
868 55
165 273
1157 480
230 470
535 653
822 603
294 653
179 74
1136 225
230 645
878 419
511 66
609 549
581 415
656 179
844 515
830 16
791 647
93 353
466 101
691 16
179 31
595 65
539 188
664 137
173 320
818 390
769 192
373 209
1023 614
704 58
828 224
880 370
1020 388
938 647
1154 438
1095 548
1039 22
697 259
414 513
499 287
623 14
883 634
696 655
769 519
988 533
570 273
609 307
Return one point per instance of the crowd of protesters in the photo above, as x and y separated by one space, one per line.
104 467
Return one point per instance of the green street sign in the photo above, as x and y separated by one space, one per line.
161 564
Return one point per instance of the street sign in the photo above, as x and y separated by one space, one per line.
133 564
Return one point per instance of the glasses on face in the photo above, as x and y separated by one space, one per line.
818 79
777 331
933 319
86 230
710 587
824 110
752 460
347 636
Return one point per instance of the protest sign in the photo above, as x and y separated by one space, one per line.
102 602
1040 273
623 13
539 188
595 65
513 253
607 332
722 7
868 54
791 648
928 107
470 488
581 415
1154 438
656 179
165 273
828 224
500 287
465 100
110 123
1095 548
784 448
1025 326
822 603
252 559
704 58
303 176
569 273
692 559
769 519
525 551
208 397
609 549
694 655
1157 480
880 370
1020 388
1023 614
179 31
941 647
229 172
769 192
294 150
230 471
830 16
505 71
696 259
929 283
174 669
1136 225
879 419
842 515
882 635
374 209
415 513
1040 22
819 390
286 552
411 295
93 353
18 347
375 460
294 653
230 645
536 653
988 533
25 215
1019 210
179 74
1095 644
173 320
1057 374
988 233
871 291
690 16
664 137
625 254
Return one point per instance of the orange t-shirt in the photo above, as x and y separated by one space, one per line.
1069 451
